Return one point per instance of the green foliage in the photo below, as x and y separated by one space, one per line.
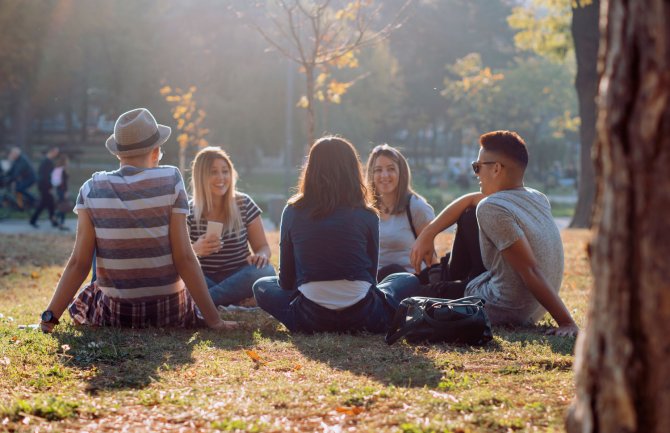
533 97
544 27
50 408
413 428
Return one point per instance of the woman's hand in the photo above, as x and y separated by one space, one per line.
204 246
259 260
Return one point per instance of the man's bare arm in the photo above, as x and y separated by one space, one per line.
422 250
521 258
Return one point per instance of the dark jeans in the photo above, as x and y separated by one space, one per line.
373 313
46 202
22 187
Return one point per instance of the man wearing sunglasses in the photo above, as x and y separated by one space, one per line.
507 249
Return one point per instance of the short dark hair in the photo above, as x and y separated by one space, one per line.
507 143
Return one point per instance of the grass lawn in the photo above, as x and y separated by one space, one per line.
263 379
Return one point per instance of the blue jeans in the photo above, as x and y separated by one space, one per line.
22 187
373 313
237 286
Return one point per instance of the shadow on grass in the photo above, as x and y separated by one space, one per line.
535 335
121 358
364 354
402 364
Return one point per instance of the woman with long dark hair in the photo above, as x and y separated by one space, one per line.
329 248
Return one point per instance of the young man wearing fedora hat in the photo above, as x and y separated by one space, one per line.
134 220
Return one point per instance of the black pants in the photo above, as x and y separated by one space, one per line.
46 202
461 264
465 260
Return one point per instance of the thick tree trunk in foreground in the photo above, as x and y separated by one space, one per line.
622 366
585 34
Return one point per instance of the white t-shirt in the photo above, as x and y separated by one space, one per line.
395 234
335 295
504 217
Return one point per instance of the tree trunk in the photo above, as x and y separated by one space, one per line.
585 34
622 368
22 119
311 117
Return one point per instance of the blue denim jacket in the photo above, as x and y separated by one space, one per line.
341 246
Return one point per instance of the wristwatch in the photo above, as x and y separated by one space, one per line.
48 317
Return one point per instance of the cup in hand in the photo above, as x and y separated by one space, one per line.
214 230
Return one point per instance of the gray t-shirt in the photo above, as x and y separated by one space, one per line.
395 234
503 218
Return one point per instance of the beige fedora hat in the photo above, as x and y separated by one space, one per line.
136 133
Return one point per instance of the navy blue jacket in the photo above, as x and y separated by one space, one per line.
341 246
21 171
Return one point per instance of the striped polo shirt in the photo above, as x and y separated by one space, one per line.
233 255
130 209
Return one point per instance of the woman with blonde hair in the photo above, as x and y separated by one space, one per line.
403 212
329 245
230 268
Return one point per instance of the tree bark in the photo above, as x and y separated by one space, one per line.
311 116
585 35
622 368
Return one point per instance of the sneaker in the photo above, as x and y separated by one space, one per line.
54 223
34 224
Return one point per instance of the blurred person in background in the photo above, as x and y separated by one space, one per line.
59 180
22 174
44 187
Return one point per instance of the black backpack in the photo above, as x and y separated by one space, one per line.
441 320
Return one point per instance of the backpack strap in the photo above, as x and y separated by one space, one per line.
408 211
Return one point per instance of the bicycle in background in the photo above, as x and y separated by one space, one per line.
12 203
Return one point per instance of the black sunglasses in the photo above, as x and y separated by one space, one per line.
476 166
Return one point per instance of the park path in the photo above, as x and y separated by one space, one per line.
21 226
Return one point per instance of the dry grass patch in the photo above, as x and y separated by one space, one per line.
263 379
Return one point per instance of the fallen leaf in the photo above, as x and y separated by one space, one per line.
34 275
255 357
350 410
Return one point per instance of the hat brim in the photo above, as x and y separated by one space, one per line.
163 135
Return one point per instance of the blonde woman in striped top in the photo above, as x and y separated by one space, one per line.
229 266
